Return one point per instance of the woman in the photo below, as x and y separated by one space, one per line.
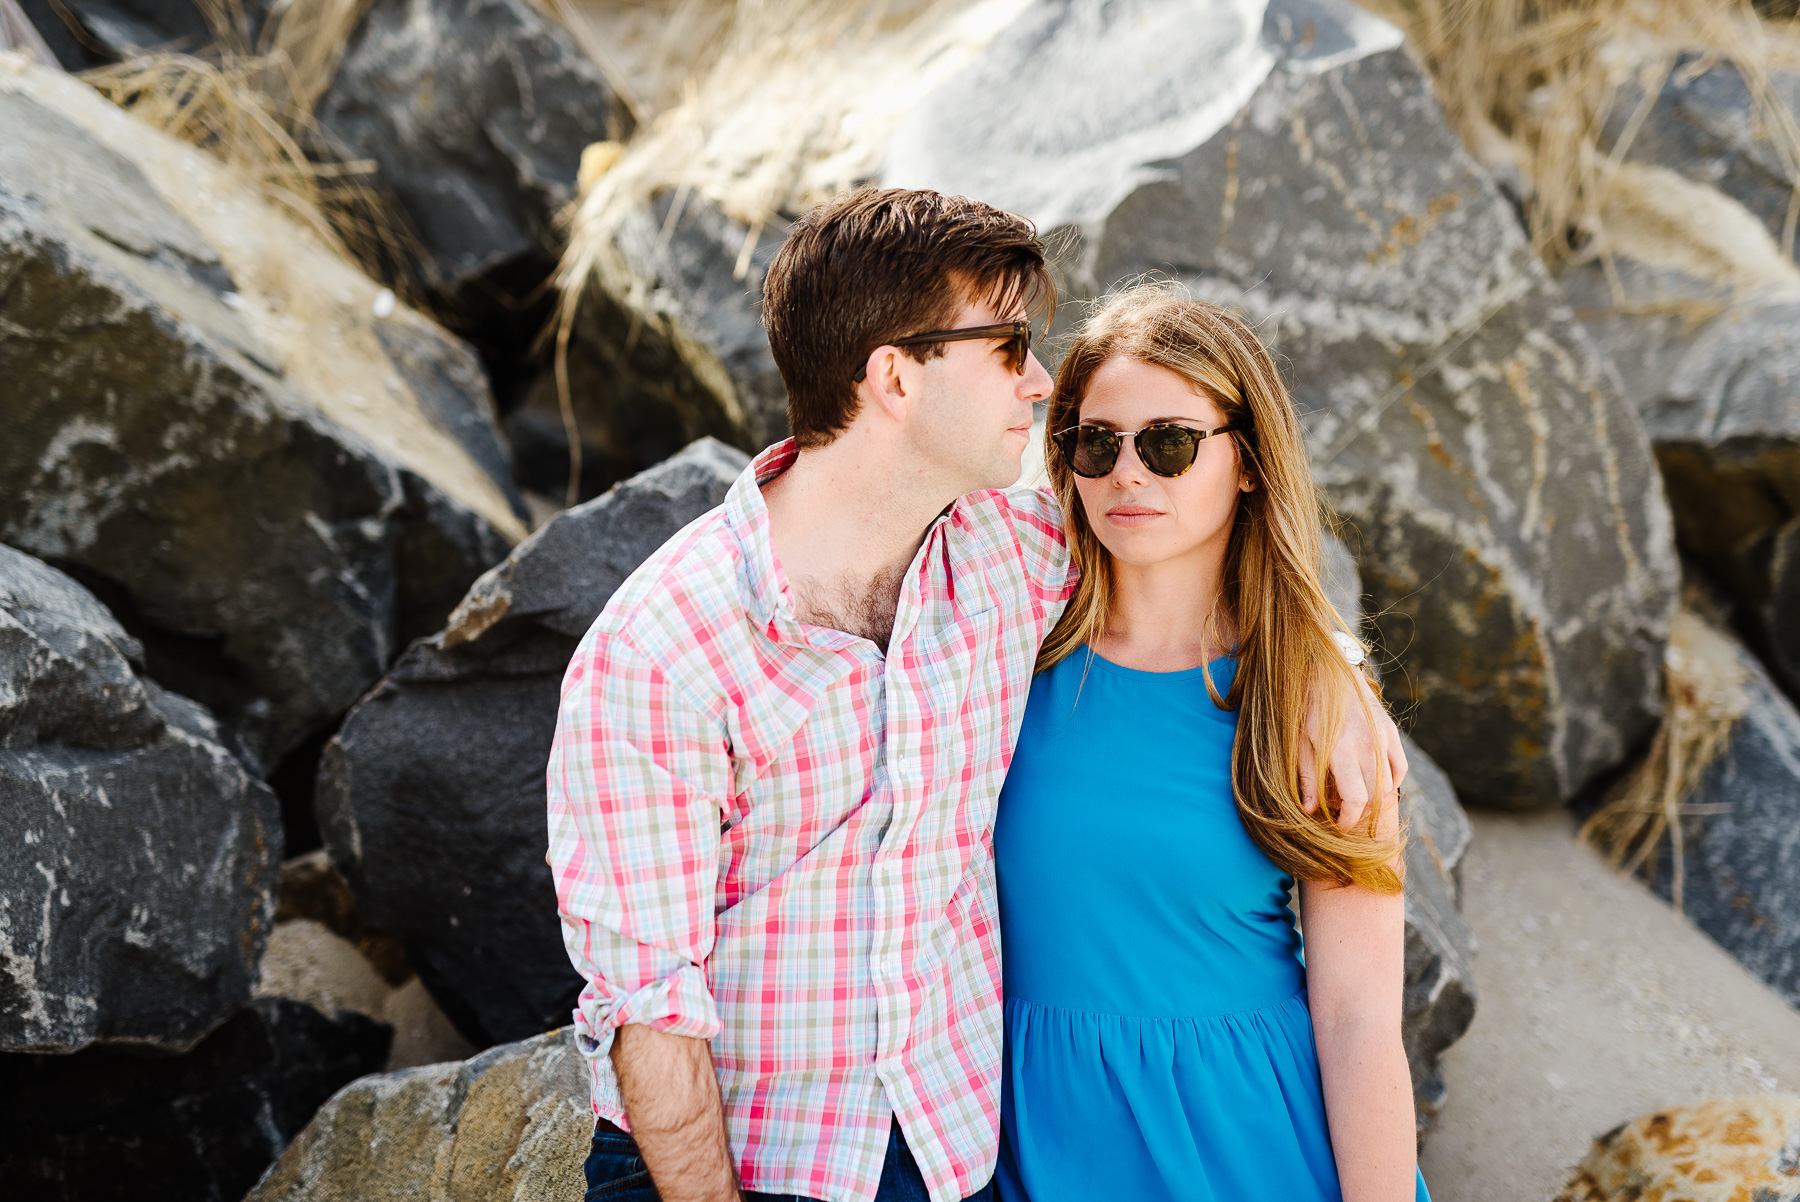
1165 1038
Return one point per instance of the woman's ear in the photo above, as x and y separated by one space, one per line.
1246 484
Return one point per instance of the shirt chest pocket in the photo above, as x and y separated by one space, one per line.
960 690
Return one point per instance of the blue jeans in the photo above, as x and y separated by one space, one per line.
616 1173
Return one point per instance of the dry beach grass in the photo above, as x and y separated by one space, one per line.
1531 85
250 104
1705 697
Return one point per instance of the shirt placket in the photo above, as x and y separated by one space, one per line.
904 753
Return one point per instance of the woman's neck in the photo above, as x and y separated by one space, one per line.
1158 619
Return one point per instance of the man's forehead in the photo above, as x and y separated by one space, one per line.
989 310
992 301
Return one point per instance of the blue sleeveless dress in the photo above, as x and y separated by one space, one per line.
1158 1044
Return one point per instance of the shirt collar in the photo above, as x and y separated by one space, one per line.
768 598
766 585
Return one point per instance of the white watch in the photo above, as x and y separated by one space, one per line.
1353 650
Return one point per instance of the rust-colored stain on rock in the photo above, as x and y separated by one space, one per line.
1743 1149
1411 229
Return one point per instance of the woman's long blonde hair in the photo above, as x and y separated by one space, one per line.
1271 580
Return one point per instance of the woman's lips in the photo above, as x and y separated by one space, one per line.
1131 515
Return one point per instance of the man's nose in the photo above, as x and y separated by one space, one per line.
1037 380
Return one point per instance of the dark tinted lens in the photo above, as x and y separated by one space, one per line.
1167 450
1019 346
1096 450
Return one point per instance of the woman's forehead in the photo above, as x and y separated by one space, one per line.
1123 391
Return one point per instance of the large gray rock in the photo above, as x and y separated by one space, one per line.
137 879
1721 401
1726 423
1291 160
58 34
275 489
107 1126
1705 340
509 1125
88 33
1740 885
476 113
431 797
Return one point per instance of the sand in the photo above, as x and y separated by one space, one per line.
1597 1003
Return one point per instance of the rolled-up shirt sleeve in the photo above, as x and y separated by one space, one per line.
637 781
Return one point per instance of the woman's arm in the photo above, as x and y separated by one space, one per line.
1355 971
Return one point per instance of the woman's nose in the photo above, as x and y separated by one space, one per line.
1128 469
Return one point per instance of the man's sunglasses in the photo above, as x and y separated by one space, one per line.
1165 448
1017 335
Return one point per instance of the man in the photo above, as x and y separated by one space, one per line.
773 784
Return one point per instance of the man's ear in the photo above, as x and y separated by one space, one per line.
884 384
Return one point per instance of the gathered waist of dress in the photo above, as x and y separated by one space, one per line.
1125 981
1296 1002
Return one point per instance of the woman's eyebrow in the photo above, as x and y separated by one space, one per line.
1196 422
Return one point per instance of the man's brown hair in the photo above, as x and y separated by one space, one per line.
871 266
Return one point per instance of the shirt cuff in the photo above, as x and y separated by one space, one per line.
680 1004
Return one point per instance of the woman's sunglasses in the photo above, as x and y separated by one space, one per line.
1016 334
1165 448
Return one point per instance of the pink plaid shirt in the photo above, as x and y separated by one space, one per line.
770 835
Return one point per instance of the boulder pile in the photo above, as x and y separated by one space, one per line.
287 584
486 152
1689 284
274 488
238 479
1694 291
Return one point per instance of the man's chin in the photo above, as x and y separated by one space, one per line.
1009 466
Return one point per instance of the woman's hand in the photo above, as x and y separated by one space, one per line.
1366 762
